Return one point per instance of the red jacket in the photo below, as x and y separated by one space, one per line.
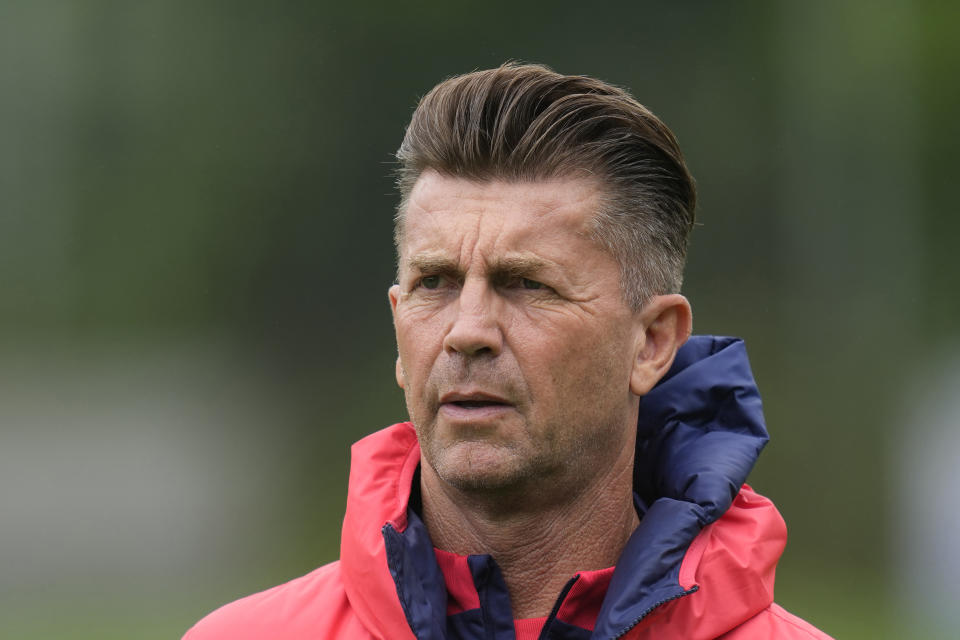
677 578
731 561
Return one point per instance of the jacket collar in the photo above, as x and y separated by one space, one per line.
699 434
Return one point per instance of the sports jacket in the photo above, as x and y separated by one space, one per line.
700 564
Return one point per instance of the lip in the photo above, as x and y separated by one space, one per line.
472 396
451 410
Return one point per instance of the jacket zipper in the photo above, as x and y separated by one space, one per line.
643 615
557 605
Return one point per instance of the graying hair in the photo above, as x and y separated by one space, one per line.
524 122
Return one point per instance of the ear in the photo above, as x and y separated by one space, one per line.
393 293
401 379
664 324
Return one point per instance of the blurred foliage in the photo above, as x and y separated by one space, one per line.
174 172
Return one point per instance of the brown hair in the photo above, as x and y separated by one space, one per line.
523 122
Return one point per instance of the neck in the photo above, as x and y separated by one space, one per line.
540 547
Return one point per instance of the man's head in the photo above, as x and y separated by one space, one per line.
522 123
526 331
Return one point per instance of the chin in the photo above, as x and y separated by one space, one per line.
480 466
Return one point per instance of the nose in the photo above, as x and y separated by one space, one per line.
475 329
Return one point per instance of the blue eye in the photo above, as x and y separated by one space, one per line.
531 284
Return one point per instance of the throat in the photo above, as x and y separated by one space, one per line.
537 554
537 543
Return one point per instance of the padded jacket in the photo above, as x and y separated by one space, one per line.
699 566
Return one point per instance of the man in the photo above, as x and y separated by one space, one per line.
574 465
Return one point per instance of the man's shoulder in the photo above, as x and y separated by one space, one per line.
777 622
303 607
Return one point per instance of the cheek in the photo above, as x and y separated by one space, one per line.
571 367
417 344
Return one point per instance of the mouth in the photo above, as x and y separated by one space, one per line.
473 405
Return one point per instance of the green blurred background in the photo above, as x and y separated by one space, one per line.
195 247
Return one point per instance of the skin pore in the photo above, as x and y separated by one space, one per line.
522 368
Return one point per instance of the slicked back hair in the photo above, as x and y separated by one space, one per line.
524 122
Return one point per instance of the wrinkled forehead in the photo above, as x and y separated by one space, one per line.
515 213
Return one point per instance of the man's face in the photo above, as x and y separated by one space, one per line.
515 344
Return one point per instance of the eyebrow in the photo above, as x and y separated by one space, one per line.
432 263
513 265
518 265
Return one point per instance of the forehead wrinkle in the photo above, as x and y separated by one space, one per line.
472 243
484 228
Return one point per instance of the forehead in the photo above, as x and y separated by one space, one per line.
497 214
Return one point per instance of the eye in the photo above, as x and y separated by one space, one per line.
430 282
531 284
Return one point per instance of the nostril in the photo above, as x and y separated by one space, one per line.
472 344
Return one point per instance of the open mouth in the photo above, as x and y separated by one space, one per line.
476 404
472 410
469 406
